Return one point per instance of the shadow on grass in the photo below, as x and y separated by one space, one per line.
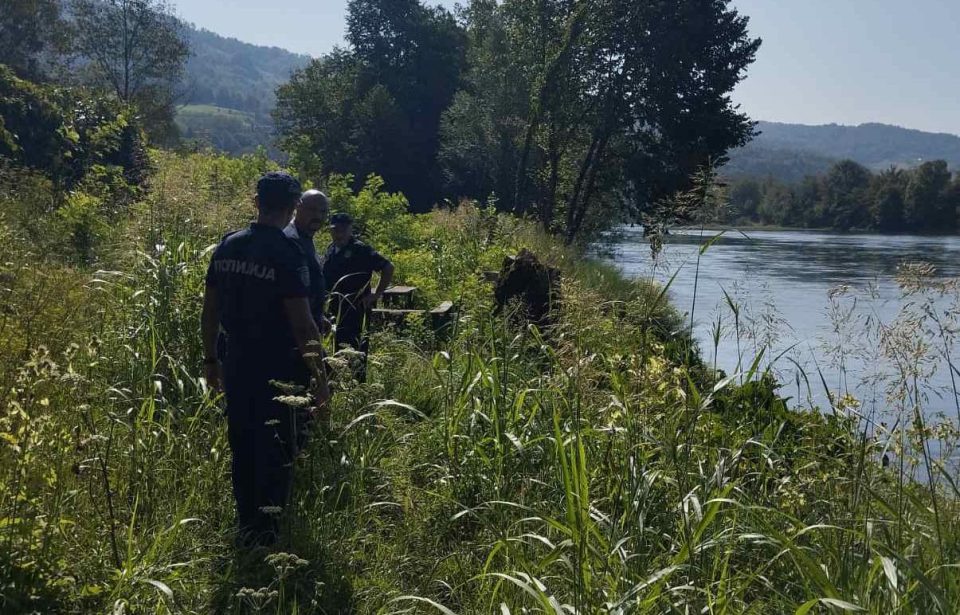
298 575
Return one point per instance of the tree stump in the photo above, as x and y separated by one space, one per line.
529 285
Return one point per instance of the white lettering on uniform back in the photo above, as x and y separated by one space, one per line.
255 270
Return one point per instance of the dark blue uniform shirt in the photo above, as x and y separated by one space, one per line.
348 270
318 286
254 271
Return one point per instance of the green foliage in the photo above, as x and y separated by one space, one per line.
376 107
582 114
70 162
578 114
587 468
65 132
33 36
226 130
920 200
136 50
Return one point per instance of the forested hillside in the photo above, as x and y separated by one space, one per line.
229 91
228 73
790 152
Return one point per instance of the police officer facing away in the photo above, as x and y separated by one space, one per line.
257 289
310 217
348 267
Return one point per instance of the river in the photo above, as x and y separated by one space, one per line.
826 310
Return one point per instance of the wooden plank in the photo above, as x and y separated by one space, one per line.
396 311
400 291
442 309
400 296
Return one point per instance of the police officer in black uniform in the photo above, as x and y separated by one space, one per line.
348 267
310 217
257 290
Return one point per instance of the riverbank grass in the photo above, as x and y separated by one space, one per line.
594 466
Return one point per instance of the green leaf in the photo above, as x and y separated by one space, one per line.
163 587
840 604
435 605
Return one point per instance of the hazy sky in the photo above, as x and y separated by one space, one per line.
822 61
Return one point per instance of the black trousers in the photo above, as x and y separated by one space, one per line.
352 320
265 437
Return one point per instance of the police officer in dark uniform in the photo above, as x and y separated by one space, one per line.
257 290
348 267
310 217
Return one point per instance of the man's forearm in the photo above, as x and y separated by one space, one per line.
209 326
386 277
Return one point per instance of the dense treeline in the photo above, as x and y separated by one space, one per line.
575 113
925 199
132 51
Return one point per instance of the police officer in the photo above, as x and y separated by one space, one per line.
257 289
311 216
348 267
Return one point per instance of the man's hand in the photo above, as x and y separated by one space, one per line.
211 371
321 398
321 393
370 301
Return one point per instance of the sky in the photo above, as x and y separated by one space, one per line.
822 61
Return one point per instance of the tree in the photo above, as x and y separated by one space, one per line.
480 132
33 35
681 117
926 206
846 195
376 107
602 101
745 199
64 133
886 210
137 50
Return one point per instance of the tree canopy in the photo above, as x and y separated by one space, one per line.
135 49
33 35
574 112
376 107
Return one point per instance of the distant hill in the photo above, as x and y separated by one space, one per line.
228 90
228 73
791 151
227 130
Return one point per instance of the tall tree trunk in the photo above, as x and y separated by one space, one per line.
579 208
539 100
550 201
572 204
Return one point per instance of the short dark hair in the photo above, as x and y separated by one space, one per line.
277 191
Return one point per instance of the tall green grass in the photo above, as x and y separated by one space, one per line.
598 466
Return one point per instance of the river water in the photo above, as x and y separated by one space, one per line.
825 309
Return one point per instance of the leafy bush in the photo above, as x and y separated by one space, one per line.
64 132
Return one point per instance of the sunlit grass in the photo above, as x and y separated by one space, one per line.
595 467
